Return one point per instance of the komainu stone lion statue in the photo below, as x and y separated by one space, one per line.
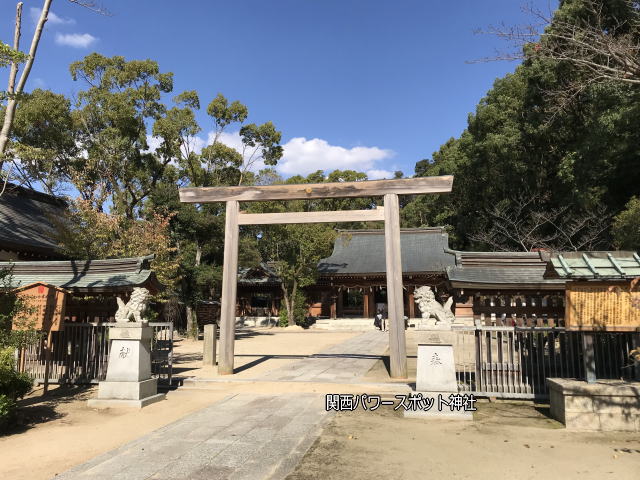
429 307
135 307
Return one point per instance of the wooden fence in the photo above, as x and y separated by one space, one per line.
80 353
514 362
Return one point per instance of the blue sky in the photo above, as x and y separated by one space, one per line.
370 85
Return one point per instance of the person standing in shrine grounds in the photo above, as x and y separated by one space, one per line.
378 321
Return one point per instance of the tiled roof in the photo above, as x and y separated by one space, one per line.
363 251
262 274
595 265
86 275
501 269
24 220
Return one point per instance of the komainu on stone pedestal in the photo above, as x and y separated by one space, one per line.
129 382
429 307
135 307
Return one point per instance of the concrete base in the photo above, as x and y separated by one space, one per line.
434 414
606 405
127 390
118 403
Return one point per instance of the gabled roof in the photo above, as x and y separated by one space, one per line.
501 270
262 274
357 252
24 221
41 284
613 265
86 276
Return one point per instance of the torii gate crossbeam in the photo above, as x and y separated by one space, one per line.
389 189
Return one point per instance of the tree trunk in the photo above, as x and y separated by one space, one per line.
198 254
285 297
9 113
292 303
192 323
192 317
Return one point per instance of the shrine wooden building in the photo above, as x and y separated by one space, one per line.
90 286
352 281
488 287
506 288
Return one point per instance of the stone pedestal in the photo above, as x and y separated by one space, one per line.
606 405
436 369
436 375
128 382
209 346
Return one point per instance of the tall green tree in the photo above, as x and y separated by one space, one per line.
112 116
294 250
570 165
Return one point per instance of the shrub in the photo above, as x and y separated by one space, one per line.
300 309
13 385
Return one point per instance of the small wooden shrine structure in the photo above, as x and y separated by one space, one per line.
602 290
85 290
506 288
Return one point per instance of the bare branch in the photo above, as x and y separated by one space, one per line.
93 6
524 224
602 48
16 46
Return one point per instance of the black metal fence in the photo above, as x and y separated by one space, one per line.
514 362
80 354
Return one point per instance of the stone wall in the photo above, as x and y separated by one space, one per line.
606 405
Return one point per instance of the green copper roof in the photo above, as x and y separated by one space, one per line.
595 265
363 251
109 275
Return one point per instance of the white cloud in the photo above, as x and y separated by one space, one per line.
302 156
379 174
75 40
230 139
52 18
39 83
195 144
153 143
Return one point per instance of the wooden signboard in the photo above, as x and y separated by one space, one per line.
604 306
45 304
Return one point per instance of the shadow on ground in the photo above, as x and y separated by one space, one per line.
37 408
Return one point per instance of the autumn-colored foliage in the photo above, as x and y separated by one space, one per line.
88 234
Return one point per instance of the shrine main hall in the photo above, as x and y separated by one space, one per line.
351 283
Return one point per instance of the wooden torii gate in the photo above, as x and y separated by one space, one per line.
390 214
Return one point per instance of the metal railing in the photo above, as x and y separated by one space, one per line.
514 362
80 354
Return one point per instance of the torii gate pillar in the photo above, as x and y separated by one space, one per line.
395 302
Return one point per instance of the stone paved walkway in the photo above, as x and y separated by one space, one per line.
244 437
341 363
